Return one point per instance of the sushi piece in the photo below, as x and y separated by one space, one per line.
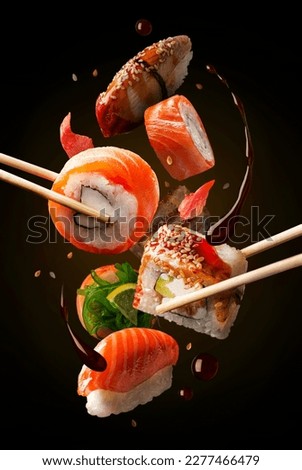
152 75
104 300
178 137
71 142
114 181
178 260
139 367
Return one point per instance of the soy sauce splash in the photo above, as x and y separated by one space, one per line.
223 230
87 354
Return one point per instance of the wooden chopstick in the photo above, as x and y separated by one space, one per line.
28 167
40 190
245 278
273 241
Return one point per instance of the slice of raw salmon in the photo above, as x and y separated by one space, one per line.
133 355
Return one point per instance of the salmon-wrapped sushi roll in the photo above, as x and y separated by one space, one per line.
116 182
152 75
139 367
178 137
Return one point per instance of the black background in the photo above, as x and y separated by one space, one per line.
254 402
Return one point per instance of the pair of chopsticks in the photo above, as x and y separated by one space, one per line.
231 283
40 190
245 278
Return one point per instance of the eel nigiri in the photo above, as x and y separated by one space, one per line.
152 75
178 260
178 137
139 367
112 180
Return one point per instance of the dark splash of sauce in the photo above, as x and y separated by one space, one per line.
204 366
87 354
223 230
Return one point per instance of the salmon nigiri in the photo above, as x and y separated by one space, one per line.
114 181
139 367
178 137
152 75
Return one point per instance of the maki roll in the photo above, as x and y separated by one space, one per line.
151 76
178 260
116 182
178 137
139 367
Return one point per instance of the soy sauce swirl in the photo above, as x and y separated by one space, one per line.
224 229
87 354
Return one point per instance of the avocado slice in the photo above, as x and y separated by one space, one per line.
162 285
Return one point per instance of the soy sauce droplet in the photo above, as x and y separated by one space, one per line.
186 393
88 355
143 27
204 366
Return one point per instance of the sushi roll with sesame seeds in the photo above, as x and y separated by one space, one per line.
154 74
178 260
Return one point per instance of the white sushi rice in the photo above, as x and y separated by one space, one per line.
103 403
197 132
172 75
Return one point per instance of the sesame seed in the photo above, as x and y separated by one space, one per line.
37 273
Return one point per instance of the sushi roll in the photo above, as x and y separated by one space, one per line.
139 367
151 76
104 300
178 260
178 137
116 182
